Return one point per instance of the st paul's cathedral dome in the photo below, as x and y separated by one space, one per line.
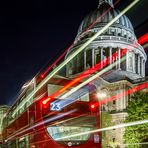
120 35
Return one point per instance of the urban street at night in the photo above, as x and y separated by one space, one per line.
74 74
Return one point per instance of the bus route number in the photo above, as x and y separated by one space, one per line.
55 106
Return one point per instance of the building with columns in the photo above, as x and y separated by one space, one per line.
115 39
118 36
3 111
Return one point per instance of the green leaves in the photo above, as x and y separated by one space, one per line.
137 110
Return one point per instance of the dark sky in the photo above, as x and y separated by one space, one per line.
32 32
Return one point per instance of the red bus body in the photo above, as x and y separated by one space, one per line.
38 126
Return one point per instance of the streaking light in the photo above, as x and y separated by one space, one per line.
105 129
45 101
55 63
50 75
86 73
91 78
41 123
127 92
142 40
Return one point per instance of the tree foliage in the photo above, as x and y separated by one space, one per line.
137 110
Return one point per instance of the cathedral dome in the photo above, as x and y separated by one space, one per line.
120 35
103 15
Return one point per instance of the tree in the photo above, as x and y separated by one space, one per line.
137 110
105 122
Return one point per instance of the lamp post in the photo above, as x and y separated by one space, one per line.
101 95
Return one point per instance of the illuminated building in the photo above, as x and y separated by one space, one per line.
3 111
118 36
42 97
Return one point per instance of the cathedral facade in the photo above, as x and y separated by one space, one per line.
117 37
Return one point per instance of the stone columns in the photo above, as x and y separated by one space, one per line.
110 54
144 68
134 70
127 60
142 63
141 66
138 64
93 57
119 58
124 89
102 57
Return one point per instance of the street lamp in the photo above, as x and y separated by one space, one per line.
101 95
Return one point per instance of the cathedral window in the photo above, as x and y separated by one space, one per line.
75 65
105 56
80 62
97 55
89 58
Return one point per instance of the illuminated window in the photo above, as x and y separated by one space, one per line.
85 98
72 127
80 62
98 55
89 58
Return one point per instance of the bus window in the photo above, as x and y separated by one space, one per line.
62 133
85 97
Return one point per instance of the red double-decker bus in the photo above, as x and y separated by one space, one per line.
54 123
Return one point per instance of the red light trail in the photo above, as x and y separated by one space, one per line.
64 53
127 92
143 39
85 74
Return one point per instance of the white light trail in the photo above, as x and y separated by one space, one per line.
91 78
143 143
50 75
41 123
105 129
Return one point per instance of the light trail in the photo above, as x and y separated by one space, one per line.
99 17
84 74
91 78
127 92
41 123
50 75
54 63
143 39
105 129
142 143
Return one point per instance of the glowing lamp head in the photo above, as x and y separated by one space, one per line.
44 102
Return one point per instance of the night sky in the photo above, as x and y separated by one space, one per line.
33 32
